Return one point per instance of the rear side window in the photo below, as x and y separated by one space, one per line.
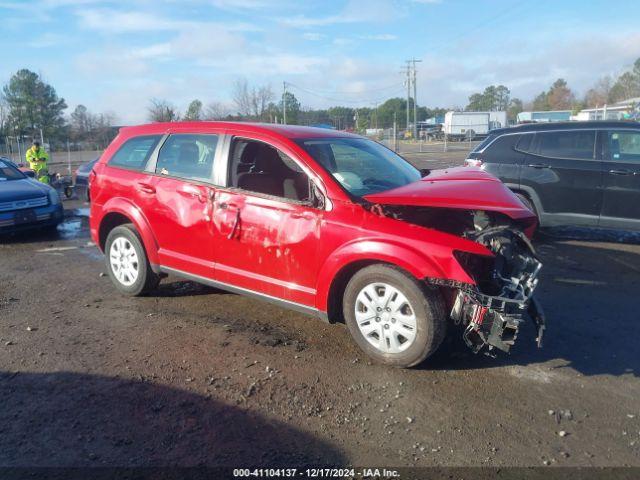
188 156
577 145
135 152
624 145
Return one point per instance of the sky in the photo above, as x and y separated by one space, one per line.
114 56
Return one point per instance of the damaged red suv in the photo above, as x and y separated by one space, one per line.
323 222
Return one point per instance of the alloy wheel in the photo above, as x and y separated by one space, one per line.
124 261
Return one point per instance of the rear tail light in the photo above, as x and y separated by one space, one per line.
473 162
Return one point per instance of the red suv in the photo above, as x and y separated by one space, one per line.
324 222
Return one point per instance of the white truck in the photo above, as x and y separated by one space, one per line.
466 125
497 120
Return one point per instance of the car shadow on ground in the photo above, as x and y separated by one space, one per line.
184 288
589 291
70 419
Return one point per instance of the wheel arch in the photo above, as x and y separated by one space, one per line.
531 194
120 212
340 268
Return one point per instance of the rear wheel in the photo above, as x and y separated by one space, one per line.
127 262
392 317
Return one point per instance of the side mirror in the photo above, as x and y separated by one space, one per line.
317 197
424 172
30 173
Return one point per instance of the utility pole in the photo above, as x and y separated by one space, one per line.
284 102
415 100
408 72
395 132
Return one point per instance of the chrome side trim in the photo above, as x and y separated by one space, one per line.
298 307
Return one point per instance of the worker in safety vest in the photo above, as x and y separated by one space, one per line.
37 159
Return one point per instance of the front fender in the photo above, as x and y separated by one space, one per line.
436 263
125 207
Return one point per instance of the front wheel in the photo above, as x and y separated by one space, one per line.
127 262
392 317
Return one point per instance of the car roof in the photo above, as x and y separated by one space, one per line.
541 127
288 131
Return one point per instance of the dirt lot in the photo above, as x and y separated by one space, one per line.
193 376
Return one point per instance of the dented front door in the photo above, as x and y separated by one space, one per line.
267 244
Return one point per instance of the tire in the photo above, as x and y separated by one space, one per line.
132 276
429 322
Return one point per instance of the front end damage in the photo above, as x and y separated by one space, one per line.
492 309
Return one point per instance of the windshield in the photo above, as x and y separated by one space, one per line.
9 172
361 166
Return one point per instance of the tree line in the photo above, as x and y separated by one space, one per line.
559 96
261 104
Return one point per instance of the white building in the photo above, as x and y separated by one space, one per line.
616 111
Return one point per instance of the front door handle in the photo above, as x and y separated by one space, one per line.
146 188
620 172
538 165
303 215
192 193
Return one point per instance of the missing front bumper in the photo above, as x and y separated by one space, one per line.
493 322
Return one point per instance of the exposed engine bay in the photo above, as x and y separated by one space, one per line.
492 310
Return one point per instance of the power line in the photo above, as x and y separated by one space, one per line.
341 100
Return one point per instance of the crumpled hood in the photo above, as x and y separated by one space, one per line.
23 189
461 188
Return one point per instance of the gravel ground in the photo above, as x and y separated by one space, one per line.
194 376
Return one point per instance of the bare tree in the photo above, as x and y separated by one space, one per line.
216 111
4 113
599 94
252 101
162 111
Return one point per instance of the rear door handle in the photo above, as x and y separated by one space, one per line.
538 165
146 188
621 172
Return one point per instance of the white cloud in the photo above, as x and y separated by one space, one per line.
355 11
116 21
385 37
313 36
47 40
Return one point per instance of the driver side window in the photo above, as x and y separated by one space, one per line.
258 167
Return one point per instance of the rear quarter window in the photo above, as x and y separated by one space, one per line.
524 143
135 152
484 143
502 150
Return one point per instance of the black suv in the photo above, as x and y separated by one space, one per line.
570 173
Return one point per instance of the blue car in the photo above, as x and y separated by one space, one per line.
81 184
26 203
